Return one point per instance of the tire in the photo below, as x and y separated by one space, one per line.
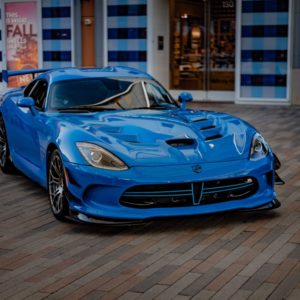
6 164
57 187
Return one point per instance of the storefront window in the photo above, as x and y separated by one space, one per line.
203 44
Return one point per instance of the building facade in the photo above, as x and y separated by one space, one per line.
220 50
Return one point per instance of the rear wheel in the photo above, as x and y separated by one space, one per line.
57 187
6 164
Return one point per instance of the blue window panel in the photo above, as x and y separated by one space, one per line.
53 45
127 2
56 3
264 68
247 7
253 43
0 55
0 35
56 12
251 19
282 18
265 31
127 22
57 34
246 31
268 43
264 55
257 92
137 45
126 10
56 64
122 56
127 33
57 55
265 6
263 80
56 23
280 92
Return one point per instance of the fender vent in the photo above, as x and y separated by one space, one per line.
180 142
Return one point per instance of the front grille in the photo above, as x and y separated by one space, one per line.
189 194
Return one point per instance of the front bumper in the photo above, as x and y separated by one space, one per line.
96 193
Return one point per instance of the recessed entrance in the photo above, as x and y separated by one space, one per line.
202 44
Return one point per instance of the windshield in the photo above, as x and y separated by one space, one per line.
109 93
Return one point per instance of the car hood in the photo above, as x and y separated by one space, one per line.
159 137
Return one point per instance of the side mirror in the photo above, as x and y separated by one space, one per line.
183 98
26 102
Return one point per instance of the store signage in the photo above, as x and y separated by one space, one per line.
21 39
228 4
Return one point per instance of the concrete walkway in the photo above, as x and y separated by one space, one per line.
224 256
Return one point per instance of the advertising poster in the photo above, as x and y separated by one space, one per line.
21 39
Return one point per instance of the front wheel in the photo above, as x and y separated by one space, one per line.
6 164
57 187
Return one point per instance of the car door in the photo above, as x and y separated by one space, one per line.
29 123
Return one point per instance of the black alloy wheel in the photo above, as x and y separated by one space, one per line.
6 164
57 187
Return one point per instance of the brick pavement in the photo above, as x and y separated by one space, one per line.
224 256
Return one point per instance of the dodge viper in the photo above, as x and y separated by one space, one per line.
112 145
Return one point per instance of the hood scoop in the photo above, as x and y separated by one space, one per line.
181 142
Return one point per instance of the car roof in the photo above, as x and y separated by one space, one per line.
82 73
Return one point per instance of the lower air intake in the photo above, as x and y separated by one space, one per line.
189 194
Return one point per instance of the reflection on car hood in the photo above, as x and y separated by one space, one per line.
152 137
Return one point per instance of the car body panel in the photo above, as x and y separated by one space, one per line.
145 140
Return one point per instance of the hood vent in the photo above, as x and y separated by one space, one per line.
180 142
199 120
213 137
208 127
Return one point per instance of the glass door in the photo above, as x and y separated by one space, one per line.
202 45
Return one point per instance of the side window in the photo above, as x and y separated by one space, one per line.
29 88
38 93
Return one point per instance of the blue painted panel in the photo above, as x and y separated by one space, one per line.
127 10
56 34
57 55
56 12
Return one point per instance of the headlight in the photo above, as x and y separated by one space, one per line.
259 147
100 158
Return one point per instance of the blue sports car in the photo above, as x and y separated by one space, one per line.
112 145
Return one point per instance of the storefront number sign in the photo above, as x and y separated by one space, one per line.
228 4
